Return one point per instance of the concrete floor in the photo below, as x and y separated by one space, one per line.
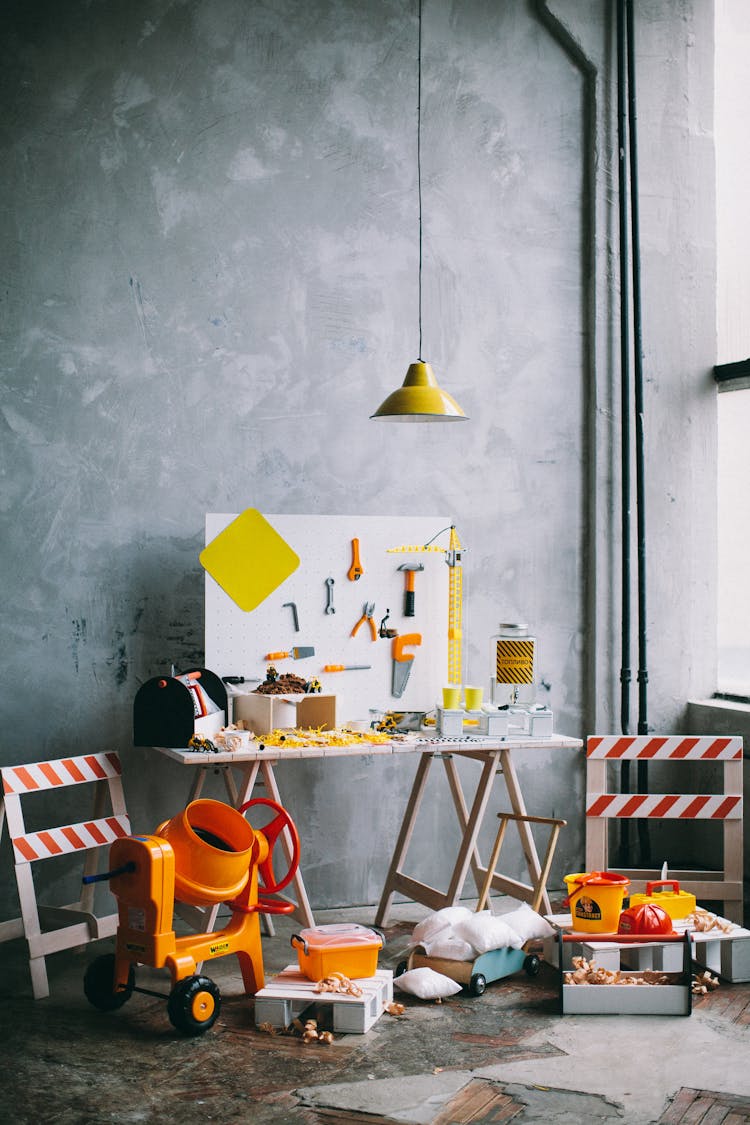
507 1055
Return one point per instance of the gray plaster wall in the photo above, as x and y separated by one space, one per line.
208 233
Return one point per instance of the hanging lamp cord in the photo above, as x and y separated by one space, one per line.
419 161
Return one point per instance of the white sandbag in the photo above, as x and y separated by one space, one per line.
452 948
433 924
487 931
529 925
426 984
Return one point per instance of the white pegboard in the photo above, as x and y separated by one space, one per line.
236 642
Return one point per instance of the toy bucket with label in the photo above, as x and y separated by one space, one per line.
595 899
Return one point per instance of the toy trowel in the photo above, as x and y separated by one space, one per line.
402 661
295 653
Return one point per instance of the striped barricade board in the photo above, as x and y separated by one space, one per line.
604 805
80 924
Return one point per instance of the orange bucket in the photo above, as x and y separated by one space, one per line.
595 899
212 845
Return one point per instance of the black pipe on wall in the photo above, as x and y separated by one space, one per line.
628 149
625 486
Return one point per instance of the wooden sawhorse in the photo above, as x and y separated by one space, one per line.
496 757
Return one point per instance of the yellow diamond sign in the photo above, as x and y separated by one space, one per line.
249 559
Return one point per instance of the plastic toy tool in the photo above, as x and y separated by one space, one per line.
402 661
207 854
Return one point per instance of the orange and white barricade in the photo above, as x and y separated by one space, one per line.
74 924
603 806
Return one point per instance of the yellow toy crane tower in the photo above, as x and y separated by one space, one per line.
455 607
455 596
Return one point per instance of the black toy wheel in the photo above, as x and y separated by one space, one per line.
401 968
194 1004
98 984
477 984
532 965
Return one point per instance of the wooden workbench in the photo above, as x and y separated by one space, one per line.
241 771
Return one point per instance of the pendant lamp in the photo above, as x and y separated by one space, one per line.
420 398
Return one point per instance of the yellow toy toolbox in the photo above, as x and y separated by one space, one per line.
344 947
677 903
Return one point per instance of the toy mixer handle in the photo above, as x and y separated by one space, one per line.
272 831
650 887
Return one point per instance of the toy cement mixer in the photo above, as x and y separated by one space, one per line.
205 855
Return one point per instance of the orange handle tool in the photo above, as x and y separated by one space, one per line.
356 570
345 667
276 655
401 641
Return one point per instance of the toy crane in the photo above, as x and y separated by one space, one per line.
455 596
455 607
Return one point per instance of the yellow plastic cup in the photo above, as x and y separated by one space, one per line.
451 698
473 697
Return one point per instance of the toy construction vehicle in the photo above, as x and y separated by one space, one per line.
207 854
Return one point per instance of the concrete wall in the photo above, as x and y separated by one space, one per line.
209 248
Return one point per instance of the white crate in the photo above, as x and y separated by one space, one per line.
287 995
662 957
725 954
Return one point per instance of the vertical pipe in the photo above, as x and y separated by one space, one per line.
625 672
643 833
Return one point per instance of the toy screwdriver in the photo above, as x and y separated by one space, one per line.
345 667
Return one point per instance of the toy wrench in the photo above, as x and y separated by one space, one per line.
356 570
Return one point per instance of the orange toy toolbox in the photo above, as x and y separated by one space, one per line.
344 947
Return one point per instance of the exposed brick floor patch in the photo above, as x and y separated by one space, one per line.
706 1107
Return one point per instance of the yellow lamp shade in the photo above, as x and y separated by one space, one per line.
420 399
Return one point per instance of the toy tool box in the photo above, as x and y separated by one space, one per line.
169 710
667 894
339 948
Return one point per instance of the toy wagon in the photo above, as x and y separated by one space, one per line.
477 974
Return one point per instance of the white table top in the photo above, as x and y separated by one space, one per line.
473 744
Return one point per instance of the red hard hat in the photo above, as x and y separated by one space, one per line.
645 919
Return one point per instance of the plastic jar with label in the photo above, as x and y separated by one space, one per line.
512 665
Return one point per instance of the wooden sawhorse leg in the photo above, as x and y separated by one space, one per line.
539 886
470 821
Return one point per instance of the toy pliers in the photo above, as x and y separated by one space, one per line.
367 612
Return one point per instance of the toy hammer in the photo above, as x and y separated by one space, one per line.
410 569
